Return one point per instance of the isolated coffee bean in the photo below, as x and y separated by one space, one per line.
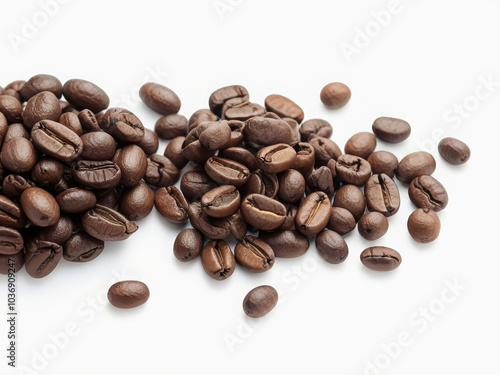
200 116
56 140
160 98
188 244
321 180
137 202
380 258
221 201
306 157
414 165
260 301
195 183
171 126
361 144
237 225
11 241
427 192
98 146
171 204
149 143
324 150
133 164
244 112
454 151
82 247
352 199
276 158
226 172
315 127
291 186
254 254
71 121
173 151
240 155
76 200
335 95
96 174
383 162
82 94
42 257
40 207
18 155
123 125
286 243
217 260
353 169
160 171
382 195
11 109
263 212
11 263
268 130
13 185
284 107
39 83
331 246
42 106
373 225
226 97
107 224
391 130
260 182
341 221
211 228
424 225
128 294
89 121
11 215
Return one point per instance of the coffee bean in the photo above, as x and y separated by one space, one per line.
427 192
291 186
171 204
383 162
161 172
107 224
380 258
40 207
109 197
306 157
11 262
240 155
42 257
335 95
188 244
123 125
291 214
226 172
47 171
56 140
391 130
254 254
217 260
341 221
193 150
361 144
331 246
353 169
313 214
263 212
42 106
221 201
18 155
195 183
237 225
82 94
324 150
237 137
382 195
315 127
128 294
39 83
373 225
276 158
200 116
244 112
454 151
260 301
227 97
11 215
260 182
321 180
59 232
89 121
96 174
149 143
71 121
352 199
133 164
424 225
82 247
268 130
98 146
211 228
137 202
11 241
212 135
284 107
173 151
286 243
13 185
171 126
11 109
414 165
76 200
13 131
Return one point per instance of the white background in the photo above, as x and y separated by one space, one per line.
427 59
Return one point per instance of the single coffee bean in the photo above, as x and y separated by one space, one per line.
221 201
76 200
14 93
123 125
13 185
56 140
171 126
237 225
391 130
244 112
161 172
88 120
315 127
107 224
237 137
380 258
11 263
383 162
263 212
200 116
341 221
352 199
42 106
211 228
414 165
424 225
212 135
160 98
227 97
11 215
82 94
240 155
39 83
373 225
171 204
96 174
109 197
260 182
284 107
18 155
42 257
291 186
68 108
254 254
40 207
276 158
82 247
226 172
11 108
173 151
286 243
427 192
313 214
260 301
133 164
193 150
137 202
331 246
324 150
47 172
217 260
149 143
361 144
59 233
98 146
291 214
188 244
195 183
335 95
11 241
353 169
13 131
321 180
71 121
268 130
454 151
382 195
306 157
128 294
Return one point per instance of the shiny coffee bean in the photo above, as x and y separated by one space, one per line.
454 151
383 162
315 127
263 212
240 155
244 112
424 225
11 263
380 258
211 228
107 224
391 130
286 243
324 150
226 172
56 140
291 186
188 244
276 158
217 260
341 221
18 155
42 106
268 130
98 146
128 294
133 164
353 169
212 135
123 125
160 98
39 83
171 126
331 246
260 182
42 257
71 121
173 151
427 192
254 254
109 197
161 172
226 97
260 301
171 204
11 215
284 107
352 199
361 144
11 108
47 172
373 225
76 200
321 180
313 214
13 185
11 241
40 207
237 225
414 165
382 195
335 95
306 157
82 247
221 201
96 174
89 121
200 116
195 183
82 94
149 143
137 202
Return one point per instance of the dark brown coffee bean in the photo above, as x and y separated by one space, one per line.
237 225
382 195
268 130
331 246
341 221
260 301
42 106
56 140
454 151
98 146
59 233
352 199
195 183
173 151
42 257
11 215
109 197
335 95
284 107
71 121
263 212
171 126
211 228
361 144
315 127
137 202
226 172
427 192
11 241
47 172
324 150
4 126
286 243
15 131
161 172
128 294
244 112
13 185
160 98
171 204
40 207
89 121
200 116
123 125
76 200
82 247
67 108
294 125
107 224
39 83
149 143
221 201
373 225
313 214
260 182
291 186
11 263
227 97
276 158
188 244
306 157
254 254
414 165
291 214
353 169
82 94
212 135
321 180
240 155
380 258
236 133
133 164
193 150
18 155
383 162
217 260
424 225
96 174
391 130
11 108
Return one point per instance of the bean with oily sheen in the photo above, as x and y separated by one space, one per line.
11 263
109 197
123 125
83 94
244 112
391 130
353 169
42 257
18 155
321 180
47 171
415 164
380 258
82 247
427 192
159 98
11 215
96 174
424 225
331 246
217 259
11 241
42 106
324 150
260 301
40 207
306 157
128 294
313 214
171 126
361 144
171 204
137 202
213 135
276 158
254 254
88 121
291 186
226 97
383 162
160 171
335 95
76 200
263 212
98 146
149 143
211 228
221 201
56 140
195 183
382 195
373 225
454 151
315 127
13 185
341 221
260 182
188 244
107 224
133 164
284 107
352 199
173 151
240 155
226 172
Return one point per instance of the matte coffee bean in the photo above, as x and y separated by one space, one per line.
98 146
324 150
40 207
424 225
306 157
454 151
237 225
14 93
380 258
294 125
11 241
193 150
260 301
373 225
56 140
11 262
173 151
195 183
237 137
383 162
260 182
39 83
267 130
137 202
171 204
254 254
352 199
226 172
335 95
361 144
82 247
133 164
160 98
11 108
13 185
149 143
123 125
291 186
42 106
217 260
211 228
221 201
160 171
391 130
200 116
171 126
76 200
14 131
331 246
427 192
107 224
263 212
11 215
353 169
321 180
276 158
109 197
313 214
212 135
83 94
96 174
291 214
286 243
240 155
244 112
42 257
18 155
128 294
188 244
315 127
284 107
59 233
89 121
341 221
71 121
382 195
226 97
414 165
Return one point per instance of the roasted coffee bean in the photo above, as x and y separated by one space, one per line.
391 130
315 127
237 225
427 192
361 144
352 199
291 214
82 247
321 180
160 98
313 214
11 241
59 233
212 228
324 150
306 157
331 246
276 158
76 200
268 130
188 244
221 201
13 185
260 301
212 135
424 225
96 174
200 116
335 95
284 107
128 294
42 257
454 151
383 162
56 140
11 108
11 263
380 258
133 164
240 155
82 94
260 182
42 106
173 151
226 172
11 215
254 254
89 121
286 243
107 224
14 131
18 155
98 146
123 125
382 195
193 151
71 121
341 221
40 207
353 169
39 83
67 108
236 133
373 225
195 183
171 126
171 204
414 165
47 172
217 260
149 143
109 197
137 202
161 172
291 186
227 97
294 125
263 212
244 112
